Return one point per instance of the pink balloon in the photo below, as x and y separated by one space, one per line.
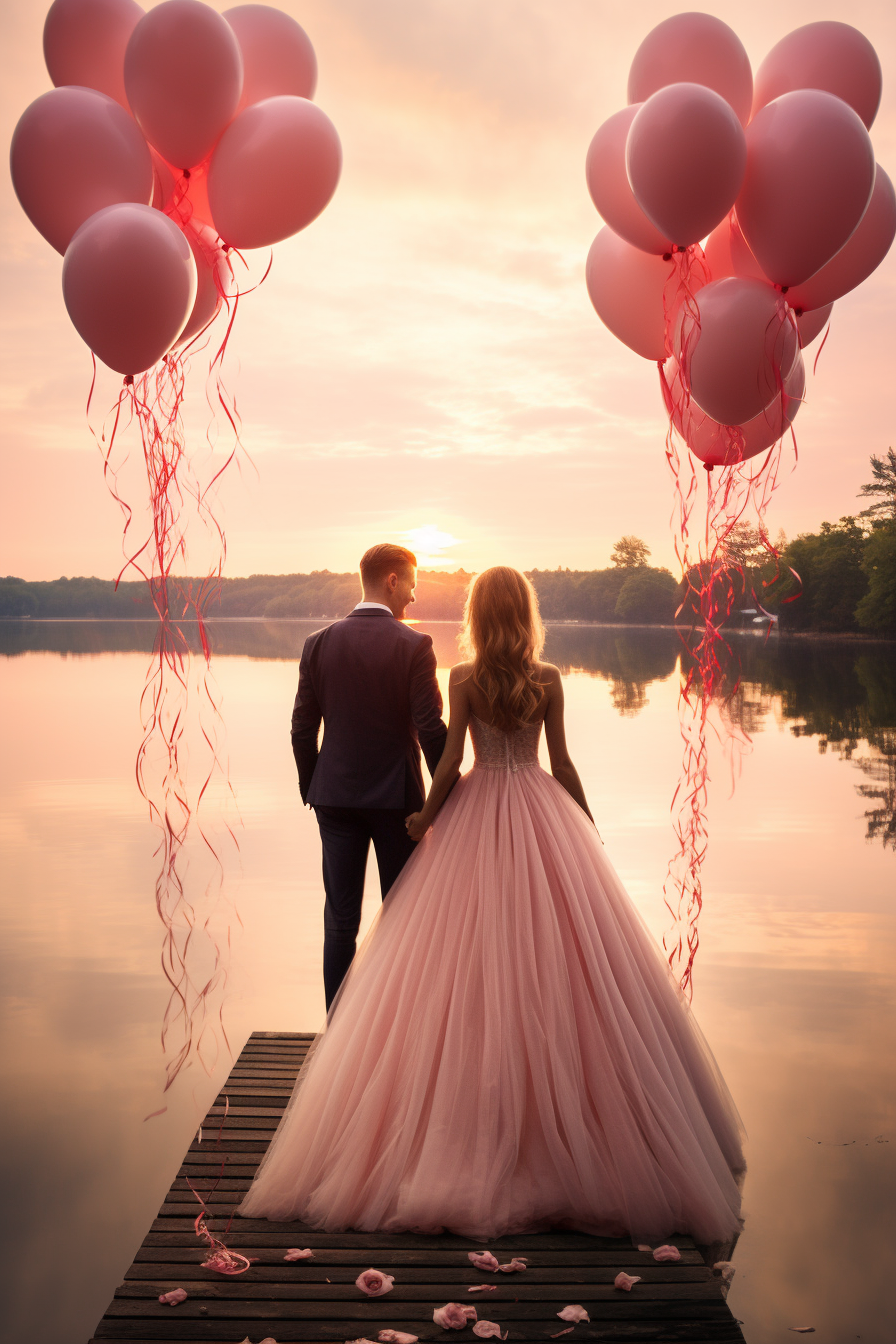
737 348
277 54
74 152
626 287
725 445
85 40
859 256
810 172
727 253
210 271
826 55
609 186
129 284
163 180
685 157
696 49
184 75
812 323
274 171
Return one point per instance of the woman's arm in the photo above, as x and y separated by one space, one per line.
562 767
418 823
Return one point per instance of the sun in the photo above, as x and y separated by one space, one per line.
429 544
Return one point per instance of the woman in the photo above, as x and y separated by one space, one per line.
508 1051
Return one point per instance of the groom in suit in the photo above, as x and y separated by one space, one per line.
372 680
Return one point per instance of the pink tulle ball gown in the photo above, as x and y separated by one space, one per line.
509 1051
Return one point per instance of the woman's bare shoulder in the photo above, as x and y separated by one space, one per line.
460 672
548 674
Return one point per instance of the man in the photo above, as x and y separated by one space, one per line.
373 682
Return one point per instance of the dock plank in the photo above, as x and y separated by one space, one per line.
316 1301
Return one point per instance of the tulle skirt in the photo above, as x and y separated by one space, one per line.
509 1051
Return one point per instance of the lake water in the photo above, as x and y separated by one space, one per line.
795 979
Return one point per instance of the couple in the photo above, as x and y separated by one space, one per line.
508 1051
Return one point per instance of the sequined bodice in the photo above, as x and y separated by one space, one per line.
496 750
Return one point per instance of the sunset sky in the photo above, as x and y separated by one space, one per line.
423 363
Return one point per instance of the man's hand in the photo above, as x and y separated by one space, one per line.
416 826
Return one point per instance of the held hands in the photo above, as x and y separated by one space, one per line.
416 826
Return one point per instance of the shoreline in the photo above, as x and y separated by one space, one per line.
828 636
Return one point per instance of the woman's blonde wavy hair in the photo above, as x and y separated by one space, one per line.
503 635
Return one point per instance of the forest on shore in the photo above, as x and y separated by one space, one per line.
841 579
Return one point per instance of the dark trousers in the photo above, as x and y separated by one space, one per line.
346 833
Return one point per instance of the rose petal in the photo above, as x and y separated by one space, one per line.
645 1248
513 1265
294 1254
667 1253
171 1299
486 1329
483 1288
574 1314
626 1281
567 1331
348 1341
396 1337
374 1282
483 1260
802 1329
453 1316
725 1269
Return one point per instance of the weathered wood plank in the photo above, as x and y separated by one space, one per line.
452 1278
552 1262
375 1313
320 1332
320 1291
569 1244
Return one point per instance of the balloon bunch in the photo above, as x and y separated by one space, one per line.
738 210
171 140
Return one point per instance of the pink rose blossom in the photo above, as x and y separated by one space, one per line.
484 1260
483 1288
374 1282
453 1316
667 1253
171 1299
485 1330
513 1265
626 1281
574 1314
294 1254
396 1337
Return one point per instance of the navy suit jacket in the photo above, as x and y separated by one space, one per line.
372 680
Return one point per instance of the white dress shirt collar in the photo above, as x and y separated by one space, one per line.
372 606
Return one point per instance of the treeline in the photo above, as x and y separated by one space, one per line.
634 594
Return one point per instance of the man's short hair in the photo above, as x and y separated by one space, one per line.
381 561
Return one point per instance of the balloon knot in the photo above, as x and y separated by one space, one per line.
129 380
186 172
707 466
798 312
667 256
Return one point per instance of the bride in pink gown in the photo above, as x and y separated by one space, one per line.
509 1051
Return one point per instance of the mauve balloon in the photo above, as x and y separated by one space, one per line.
859 256
610 189
73 152
810 173
626 287
129 284
695 49
714 443
685 158
737 350
727 253
209 259
812 323
183 72
277 54
85 41
275 169
826 55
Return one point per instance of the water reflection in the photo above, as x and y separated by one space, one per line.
795 990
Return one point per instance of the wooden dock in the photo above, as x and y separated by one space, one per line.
316 1301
